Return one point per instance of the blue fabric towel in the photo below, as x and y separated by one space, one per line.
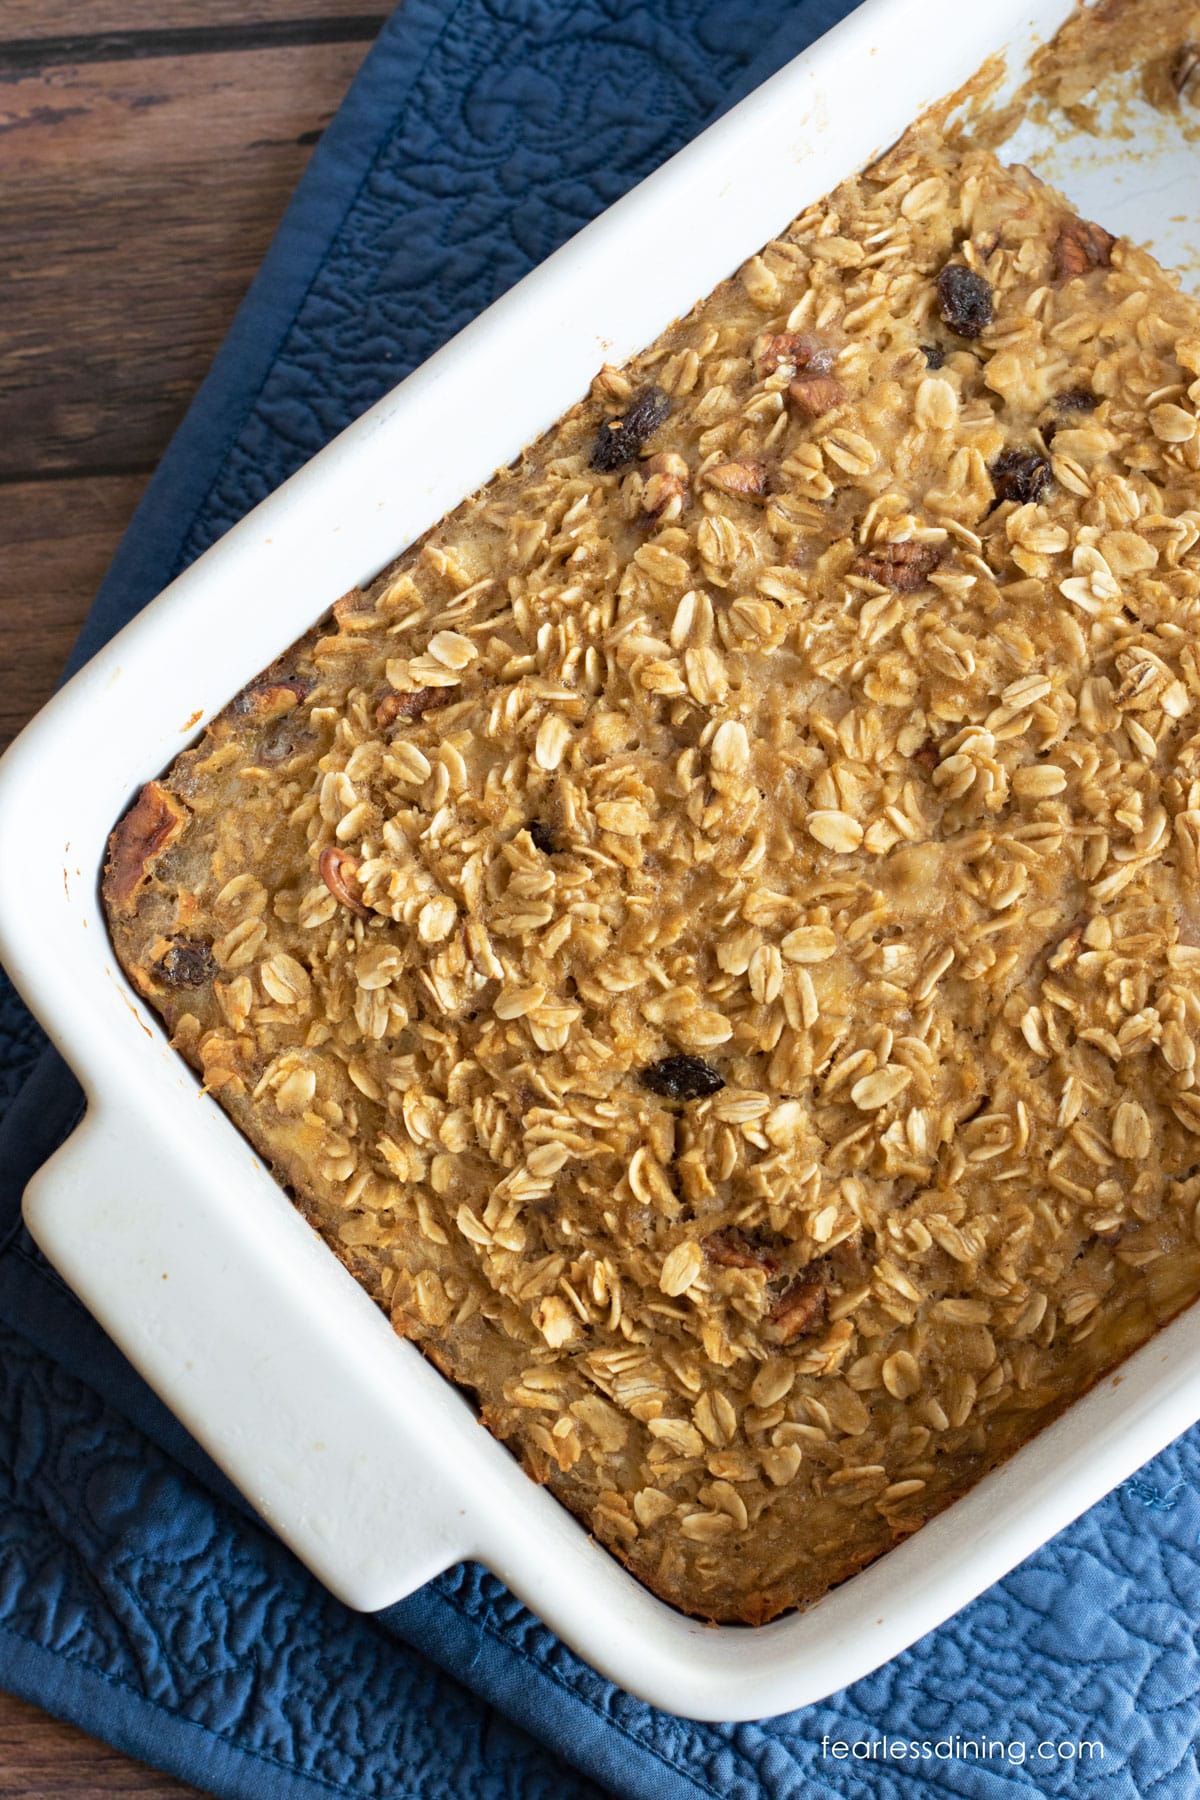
138 1595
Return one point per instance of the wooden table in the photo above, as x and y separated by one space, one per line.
143 170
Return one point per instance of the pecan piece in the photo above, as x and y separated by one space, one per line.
1081 246
1184 67
800 1308
901 567
339 871
798 348
813 395
353 611
732 1249
666 486
392 706
747 479
155 820
851 1261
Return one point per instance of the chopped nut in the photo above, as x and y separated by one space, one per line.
800 1309
1081 246
748 479
732 1249
1183 68
815 395
902 567
797 349
393 706
339 870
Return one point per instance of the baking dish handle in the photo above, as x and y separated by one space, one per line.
339 1434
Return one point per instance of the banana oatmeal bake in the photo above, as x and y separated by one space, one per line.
711 937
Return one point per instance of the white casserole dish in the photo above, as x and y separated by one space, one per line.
158 1213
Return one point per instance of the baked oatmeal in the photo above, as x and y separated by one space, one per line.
711 937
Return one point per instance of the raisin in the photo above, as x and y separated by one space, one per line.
1020 475
964 300
1075 400
934 355
682 1078
187 965
620 439
901 567
543 838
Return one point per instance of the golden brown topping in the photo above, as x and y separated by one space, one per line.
766 1073
155 820
339 871
1081 246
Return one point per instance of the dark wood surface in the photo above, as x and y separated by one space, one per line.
142 173
143 169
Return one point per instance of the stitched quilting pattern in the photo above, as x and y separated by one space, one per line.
115 1560
524 119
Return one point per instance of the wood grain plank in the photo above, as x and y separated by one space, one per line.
58 537
139 199
76 50
58 18
43 1759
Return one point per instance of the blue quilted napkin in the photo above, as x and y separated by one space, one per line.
138 1595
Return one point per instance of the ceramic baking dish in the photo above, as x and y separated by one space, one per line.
157 1211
